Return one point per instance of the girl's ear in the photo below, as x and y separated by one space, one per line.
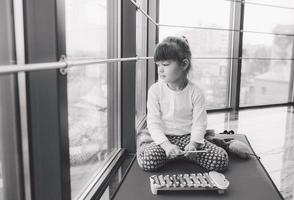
185 64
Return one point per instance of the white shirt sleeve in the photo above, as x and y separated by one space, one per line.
199 118
154 123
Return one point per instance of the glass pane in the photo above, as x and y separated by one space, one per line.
88 125
212 13
286 3
263 79
141 75
141 70
267 46
276 20
141 29
203 43
211 75
86 28
264 82
92 96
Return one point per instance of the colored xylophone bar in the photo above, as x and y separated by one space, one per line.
200 181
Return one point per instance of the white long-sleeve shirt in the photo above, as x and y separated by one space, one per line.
176 112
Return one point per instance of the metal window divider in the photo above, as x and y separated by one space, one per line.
143 12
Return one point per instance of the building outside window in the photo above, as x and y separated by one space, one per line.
90 97
268 56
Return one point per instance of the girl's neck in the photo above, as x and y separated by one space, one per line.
178 85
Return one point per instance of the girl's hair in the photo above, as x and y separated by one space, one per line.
173 48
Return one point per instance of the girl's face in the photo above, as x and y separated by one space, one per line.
170 71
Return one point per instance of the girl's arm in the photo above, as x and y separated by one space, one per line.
199 118
154 123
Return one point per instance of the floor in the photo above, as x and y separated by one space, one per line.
271 134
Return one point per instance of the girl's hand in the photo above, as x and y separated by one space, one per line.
171 150
193 146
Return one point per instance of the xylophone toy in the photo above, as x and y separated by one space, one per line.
200 181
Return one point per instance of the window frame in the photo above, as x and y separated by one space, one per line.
96 187
152 40
42 118
13 183
47 111
236 65
290 101
291 87
128 76
142 95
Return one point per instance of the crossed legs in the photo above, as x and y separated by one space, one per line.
151 156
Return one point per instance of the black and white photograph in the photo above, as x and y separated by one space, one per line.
146 99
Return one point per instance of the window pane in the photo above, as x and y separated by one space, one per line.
86 28
211 75
203 43
88 125
141 70
267 46
263 79
276 20
264 82
92 92
286 3
212 13
141 29
141 74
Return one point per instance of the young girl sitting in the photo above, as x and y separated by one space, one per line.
176 114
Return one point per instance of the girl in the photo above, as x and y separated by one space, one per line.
176 114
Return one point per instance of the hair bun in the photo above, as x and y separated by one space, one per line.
185 39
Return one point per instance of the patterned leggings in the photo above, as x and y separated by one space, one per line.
151 156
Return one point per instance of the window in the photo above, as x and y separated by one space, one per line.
141 69
92 90
210 48
267 63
